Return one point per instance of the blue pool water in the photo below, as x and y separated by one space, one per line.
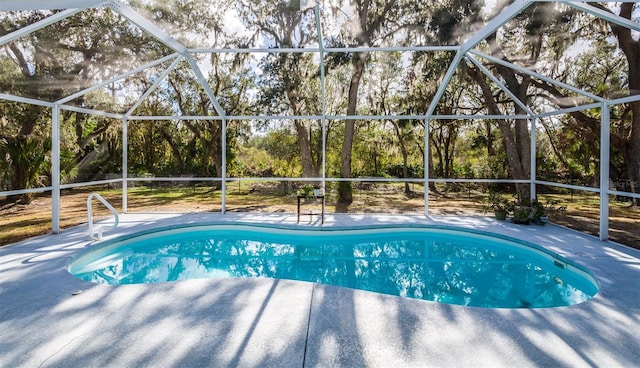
447 266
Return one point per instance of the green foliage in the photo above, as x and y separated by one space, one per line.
452 19
521 214
497 202
96 44
396 171
306 190
29 158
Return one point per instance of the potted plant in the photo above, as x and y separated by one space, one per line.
521 214
500 206
306 191
540 214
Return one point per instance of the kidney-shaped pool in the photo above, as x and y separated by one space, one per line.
442 265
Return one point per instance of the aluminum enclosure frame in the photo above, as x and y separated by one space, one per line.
466 52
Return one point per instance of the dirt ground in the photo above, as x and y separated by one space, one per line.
18 221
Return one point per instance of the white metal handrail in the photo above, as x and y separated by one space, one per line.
90 215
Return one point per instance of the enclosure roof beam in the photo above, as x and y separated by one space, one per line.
536 75
32 101
14 5
116 78
146 25
490 28
155 85
500 85
205 84
503 17
160 35
327 117
595 105
621 100
479 117
606 15
83 110
444 83
301 50
37 25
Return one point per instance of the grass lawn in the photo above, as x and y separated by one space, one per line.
19 221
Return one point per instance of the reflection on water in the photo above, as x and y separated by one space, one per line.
454 267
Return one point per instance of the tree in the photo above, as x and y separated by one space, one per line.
386 94
446 22
58 60
539 26
373 20
598 71
629 143
286 86
290 82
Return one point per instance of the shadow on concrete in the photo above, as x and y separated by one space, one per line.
280 323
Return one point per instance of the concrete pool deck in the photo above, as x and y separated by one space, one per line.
282 323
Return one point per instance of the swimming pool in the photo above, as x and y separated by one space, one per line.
442 265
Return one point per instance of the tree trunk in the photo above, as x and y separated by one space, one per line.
435 143
432 185
490 150
516 140
523 141
305 149
631 49
450 147
216 152
345 191
177 153
405 156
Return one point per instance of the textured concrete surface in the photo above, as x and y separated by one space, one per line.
281 323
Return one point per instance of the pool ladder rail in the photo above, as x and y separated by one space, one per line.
99 229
